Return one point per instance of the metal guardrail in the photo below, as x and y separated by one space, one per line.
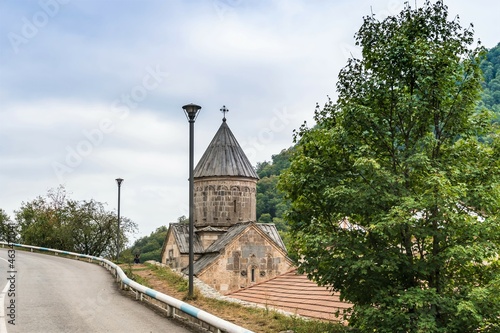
204 319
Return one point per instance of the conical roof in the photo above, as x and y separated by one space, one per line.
224 157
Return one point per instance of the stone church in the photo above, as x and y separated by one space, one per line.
231 250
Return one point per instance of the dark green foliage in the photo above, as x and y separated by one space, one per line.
490 96
279 163
149 247
394 199
270 201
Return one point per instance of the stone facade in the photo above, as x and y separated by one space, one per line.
224 201
171 254
250 258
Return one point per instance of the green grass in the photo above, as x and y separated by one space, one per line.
129 271
170 277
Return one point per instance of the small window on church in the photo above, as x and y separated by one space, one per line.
170 254
253 274
234 202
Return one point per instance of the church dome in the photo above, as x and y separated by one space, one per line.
224 157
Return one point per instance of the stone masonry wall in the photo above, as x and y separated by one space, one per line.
172 256
250 259
224 201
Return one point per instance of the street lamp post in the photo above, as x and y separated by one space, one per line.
191 111
119 182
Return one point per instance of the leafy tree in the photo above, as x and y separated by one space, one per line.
394 199
8 231
44 221
265 218
55 221
93 229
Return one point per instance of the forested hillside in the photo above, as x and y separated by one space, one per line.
270 204
491 85
147 247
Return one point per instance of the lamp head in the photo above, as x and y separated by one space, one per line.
191 110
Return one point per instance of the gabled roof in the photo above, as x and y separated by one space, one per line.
203 262
214 250
268 228
224 157
271 231
181 234
295 293
226 238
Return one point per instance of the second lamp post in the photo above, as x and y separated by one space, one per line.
119 182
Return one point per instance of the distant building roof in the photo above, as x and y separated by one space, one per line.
224 157
294 293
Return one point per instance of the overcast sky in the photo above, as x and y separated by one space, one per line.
92 90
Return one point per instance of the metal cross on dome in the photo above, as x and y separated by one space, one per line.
224 110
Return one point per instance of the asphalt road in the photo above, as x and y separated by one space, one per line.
54 294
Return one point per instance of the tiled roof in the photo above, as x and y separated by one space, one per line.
224 157
296 294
